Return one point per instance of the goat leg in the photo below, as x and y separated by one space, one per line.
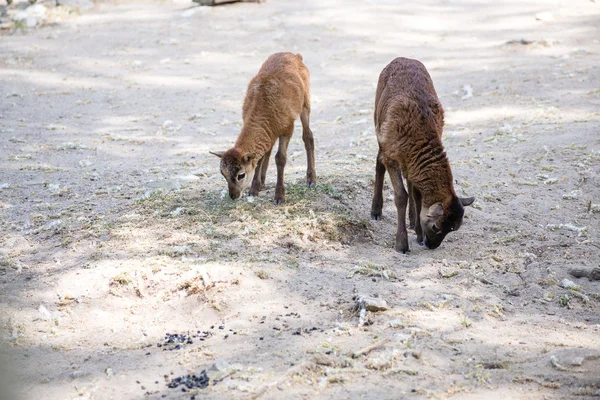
263 170
377 205
280 160
418 228
309 144
256 181
401 200
412 216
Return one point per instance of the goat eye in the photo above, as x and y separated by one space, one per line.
241 176
435 229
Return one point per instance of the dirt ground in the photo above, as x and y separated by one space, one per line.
116 228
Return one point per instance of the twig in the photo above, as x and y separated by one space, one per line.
369 349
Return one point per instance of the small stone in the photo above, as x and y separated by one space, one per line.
397 323
44 313
189 13
545 16
568 284
373 304
20 16
78 374
220 365
322 359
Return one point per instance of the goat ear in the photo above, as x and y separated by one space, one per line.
217 153
249 157
435 211
466 201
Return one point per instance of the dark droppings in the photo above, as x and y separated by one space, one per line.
176 341
187 382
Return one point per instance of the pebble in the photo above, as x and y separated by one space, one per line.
569 284
372 304
220 365
544 16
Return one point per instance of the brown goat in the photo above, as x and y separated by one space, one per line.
408 122
276 96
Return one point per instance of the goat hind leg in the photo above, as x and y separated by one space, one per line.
377 204
309 144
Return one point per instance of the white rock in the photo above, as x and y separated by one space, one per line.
545 16
136 64
220 365
80 4
20 16
568 284
54 188
176 212
37 10
165 60
396 323
468 92
189 13
188 178
44 313
572 195
31 21
505 129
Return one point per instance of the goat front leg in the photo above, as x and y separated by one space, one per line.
263 171
412 216
257 180
280 160
418 228
309 145
377 205
401 200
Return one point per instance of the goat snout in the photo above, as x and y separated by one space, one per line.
235 195
431 245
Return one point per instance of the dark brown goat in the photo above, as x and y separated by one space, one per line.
276 96
408 122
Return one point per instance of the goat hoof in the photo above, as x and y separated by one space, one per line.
375 216
402 251
278 202
311 185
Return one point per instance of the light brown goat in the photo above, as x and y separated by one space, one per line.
408 122
276 96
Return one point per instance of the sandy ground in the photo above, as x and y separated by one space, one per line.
115 227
